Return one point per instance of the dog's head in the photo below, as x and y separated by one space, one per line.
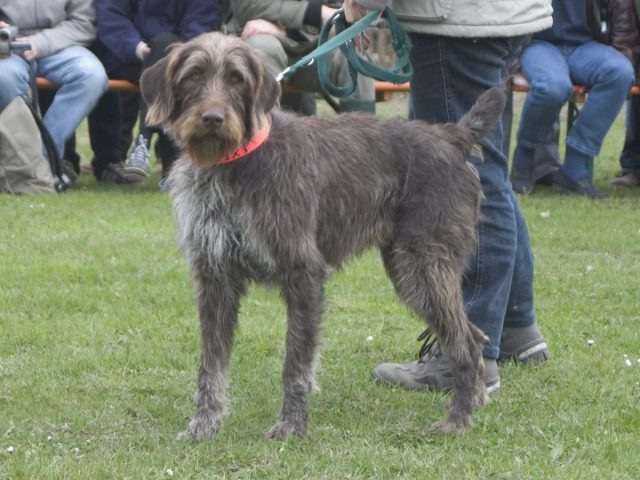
211 94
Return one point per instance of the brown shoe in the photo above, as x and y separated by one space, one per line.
120 174
626 179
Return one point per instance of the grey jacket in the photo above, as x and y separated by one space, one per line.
474 18
52 24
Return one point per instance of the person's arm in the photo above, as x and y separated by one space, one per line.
117 31
200 16
289 14
77 29
624 35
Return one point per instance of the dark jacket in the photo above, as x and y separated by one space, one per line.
615 23
122 24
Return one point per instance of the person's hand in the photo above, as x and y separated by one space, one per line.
142 50
261 27
4 24
354 10
30 54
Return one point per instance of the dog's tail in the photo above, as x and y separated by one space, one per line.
484 114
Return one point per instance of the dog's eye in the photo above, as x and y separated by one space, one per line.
235 77
195 75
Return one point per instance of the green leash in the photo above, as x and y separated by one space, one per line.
343 40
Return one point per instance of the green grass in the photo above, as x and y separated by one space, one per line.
99 352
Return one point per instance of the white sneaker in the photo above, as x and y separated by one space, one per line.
139 157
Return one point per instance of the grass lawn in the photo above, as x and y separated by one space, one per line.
99 348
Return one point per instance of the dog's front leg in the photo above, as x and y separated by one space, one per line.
303 292
218 301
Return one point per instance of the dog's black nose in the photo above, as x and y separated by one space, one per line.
212 117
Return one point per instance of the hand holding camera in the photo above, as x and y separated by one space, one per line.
11 43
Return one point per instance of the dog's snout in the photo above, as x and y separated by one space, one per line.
212 117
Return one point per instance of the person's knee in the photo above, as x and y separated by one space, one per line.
619 71
552 90
271 50
92 76
13 82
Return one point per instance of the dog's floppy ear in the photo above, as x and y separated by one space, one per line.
269 92
267 89
155 85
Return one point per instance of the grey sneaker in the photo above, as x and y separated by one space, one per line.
431 371
120 174
139 157
524 344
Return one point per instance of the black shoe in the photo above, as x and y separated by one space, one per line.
565 184
522 178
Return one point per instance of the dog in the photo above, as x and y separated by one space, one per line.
263 195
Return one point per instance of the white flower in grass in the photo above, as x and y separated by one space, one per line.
627 362
590 342
169 472
545 214
10 449
369 338
589 268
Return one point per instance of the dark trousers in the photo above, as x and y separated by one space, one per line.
112 121
630 158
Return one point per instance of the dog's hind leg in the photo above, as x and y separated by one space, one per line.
303 291
218 303
429 282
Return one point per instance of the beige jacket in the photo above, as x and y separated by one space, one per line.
474 18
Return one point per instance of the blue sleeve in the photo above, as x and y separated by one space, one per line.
116 30
200 16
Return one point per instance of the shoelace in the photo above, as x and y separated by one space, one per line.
140 152
429 346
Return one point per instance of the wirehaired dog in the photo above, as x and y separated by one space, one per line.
263 195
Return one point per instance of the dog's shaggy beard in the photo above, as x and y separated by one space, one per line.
207 147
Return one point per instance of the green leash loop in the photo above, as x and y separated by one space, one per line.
343 39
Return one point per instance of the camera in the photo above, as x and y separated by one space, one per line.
8 43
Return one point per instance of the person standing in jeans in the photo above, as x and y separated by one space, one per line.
460 50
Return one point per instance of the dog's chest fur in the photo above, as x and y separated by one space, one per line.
214 223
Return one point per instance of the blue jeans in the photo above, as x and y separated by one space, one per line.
449 75
551 70
81 78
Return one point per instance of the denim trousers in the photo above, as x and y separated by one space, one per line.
449 75
551 70
79 74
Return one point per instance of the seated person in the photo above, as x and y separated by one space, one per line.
58 32
285 31
135 34
573 51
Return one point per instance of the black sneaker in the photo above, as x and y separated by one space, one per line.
120 174
565 184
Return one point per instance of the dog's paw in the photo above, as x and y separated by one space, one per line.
202 426
283 430
449 426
